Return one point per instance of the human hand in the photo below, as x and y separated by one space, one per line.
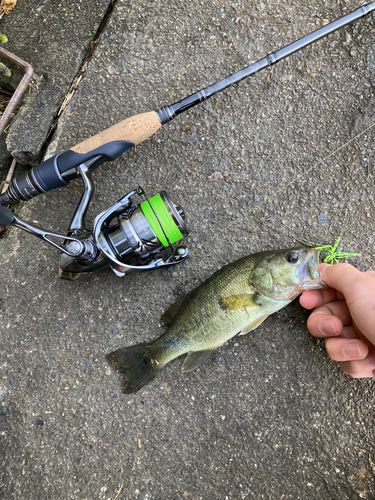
344 315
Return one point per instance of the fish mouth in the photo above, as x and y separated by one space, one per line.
310 273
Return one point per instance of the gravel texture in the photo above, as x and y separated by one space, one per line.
269 416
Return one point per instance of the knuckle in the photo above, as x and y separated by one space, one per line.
354 369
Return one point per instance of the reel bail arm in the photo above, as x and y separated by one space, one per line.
141 231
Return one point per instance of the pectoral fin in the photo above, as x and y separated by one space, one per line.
253 325
194 359
236 302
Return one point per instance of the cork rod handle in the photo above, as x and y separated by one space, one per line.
135 129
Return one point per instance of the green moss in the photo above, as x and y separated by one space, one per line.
5 70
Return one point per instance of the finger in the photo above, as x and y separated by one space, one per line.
329 319
364 368
359 291
324 325
340 276
342 349
315 298
347 280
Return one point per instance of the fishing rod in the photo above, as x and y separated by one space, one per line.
128 237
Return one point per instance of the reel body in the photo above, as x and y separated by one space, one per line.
128 237
124 239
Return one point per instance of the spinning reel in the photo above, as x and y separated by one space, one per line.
128 237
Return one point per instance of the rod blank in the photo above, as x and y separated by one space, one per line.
167 113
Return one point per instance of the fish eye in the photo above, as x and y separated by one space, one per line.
292 257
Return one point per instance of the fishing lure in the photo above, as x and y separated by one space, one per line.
333 256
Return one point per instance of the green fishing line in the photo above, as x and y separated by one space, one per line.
166 221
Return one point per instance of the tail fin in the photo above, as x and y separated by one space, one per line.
135 365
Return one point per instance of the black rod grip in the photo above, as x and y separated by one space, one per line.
6 216
49 174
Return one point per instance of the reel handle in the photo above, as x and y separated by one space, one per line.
71 247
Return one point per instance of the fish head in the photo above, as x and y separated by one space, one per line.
284 274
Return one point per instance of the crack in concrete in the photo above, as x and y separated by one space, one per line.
80 73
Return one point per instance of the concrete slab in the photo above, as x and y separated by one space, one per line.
54 38
269 415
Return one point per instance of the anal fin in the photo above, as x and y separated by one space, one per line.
195 359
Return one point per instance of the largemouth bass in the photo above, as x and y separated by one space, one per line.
233 301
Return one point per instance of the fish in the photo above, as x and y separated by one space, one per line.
234 301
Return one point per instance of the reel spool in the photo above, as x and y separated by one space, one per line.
147 228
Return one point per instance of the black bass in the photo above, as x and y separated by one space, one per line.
233 301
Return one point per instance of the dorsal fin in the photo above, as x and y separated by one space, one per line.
169 315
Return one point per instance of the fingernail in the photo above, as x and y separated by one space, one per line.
353 351
371 358
327 327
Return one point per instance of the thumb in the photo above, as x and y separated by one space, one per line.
358 290
345 277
